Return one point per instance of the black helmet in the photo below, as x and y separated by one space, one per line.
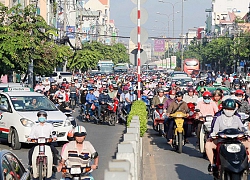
179 94
229 104
42 112
105 91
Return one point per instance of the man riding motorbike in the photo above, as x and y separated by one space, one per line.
43 129
79 151
176 106
159 99
103 99
227 119
206 107
190 97
245 107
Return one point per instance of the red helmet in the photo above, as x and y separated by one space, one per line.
172 92
111 87
239 91
206 94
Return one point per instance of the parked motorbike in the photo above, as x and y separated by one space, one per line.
147 102
204 133
158 119
178 139
42 158
231 156
190 119
109 114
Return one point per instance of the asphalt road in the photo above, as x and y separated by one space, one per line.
103 137
162 162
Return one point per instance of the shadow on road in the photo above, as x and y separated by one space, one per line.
120 140
187 173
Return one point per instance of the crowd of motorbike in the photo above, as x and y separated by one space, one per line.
108 99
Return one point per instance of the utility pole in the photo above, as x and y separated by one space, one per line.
182 48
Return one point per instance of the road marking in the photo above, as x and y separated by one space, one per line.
148 158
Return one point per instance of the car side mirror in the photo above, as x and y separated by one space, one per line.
4 108
197 110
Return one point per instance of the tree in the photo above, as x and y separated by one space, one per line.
25 36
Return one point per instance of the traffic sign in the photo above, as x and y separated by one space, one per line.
133 57
144 35
134 13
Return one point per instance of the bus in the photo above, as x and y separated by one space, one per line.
190 65
121 68
105 66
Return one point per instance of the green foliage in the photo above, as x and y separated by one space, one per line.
25 36
91 53
139 109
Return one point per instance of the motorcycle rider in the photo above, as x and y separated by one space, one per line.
178 105
227 119
43 129
90 98
61 103
190 97
79 151
167 103
159 99
245 107
217 96
103 99
206 107
73 90
130 97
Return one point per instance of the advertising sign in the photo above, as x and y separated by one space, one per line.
70 32
173 62
85 35
159 45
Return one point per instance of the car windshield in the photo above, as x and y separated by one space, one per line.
32 103
183 82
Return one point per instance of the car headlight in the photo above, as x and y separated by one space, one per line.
27 122
67 123
233 148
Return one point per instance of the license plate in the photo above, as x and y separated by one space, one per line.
41 140
75 170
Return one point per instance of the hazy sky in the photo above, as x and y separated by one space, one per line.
194 16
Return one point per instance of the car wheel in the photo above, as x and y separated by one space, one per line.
15 144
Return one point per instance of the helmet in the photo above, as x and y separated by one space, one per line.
160 90
239 92
111 87
202 83
42 112
171 92
179 94
80 131
206 94
190 89
105 91
229 104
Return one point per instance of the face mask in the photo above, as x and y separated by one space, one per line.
42 119
105 94
131 92
172 96
229 113
207 101
240 98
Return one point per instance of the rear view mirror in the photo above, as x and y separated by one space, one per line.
197 110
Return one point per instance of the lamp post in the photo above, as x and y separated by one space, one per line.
182 22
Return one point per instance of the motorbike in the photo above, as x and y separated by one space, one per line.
42 158
178 139
51 97
204 133
72 100
109 113
245 120
91 114
190 119
77 172
158 119
147 102
231 156
122 114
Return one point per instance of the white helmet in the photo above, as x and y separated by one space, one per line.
80 131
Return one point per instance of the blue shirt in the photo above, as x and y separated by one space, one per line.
90 98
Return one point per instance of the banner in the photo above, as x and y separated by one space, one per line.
168 63
159 45
173 62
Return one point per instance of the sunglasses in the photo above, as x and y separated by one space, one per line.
206 97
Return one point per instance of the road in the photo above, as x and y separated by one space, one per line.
162 162
103 137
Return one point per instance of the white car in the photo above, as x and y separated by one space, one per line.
19 115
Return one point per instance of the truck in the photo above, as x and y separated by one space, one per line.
105 66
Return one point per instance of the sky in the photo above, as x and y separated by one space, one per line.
157 25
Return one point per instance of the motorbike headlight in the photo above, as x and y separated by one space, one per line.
67 123
233 148
26 122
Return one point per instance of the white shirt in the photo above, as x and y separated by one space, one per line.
38 130
131 97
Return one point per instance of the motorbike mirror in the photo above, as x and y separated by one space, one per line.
53 132
197 110
195 104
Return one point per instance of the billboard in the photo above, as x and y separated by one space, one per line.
70 32
159 45
173 62
85 35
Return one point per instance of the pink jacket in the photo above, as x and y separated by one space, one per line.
207 109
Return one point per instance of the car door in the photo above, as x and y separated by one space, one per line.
5 116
